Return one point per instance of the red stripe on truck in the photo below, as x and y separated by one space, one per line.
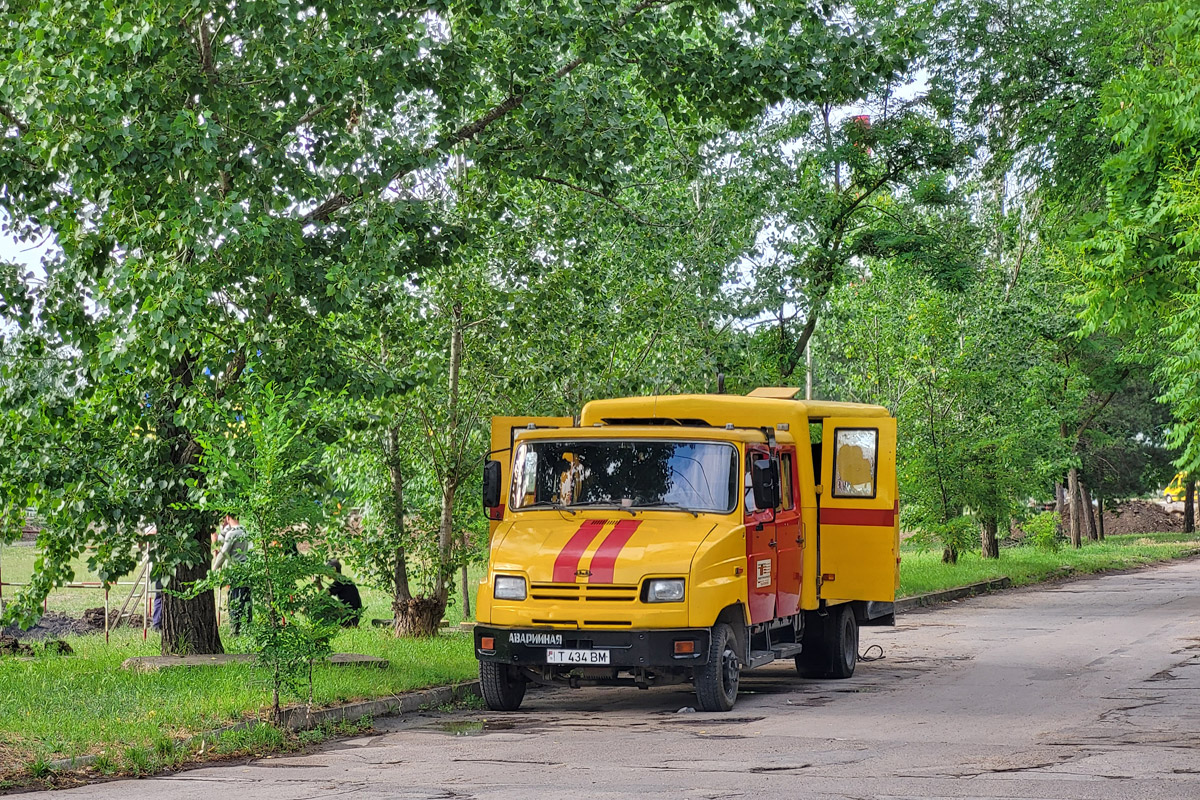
568 558
871 517
604 562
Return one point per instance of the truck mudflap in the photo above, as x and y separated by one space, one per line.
628 649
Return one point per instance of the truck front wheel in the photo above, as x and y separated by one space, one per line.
717 681
502 690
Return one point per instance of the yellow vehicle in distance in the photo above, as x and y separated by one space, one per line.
1177 489
669 539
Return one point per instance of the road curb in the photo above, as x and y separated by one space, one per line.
946 595
300 718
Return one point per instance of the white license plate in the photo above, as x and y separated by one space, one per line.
576 656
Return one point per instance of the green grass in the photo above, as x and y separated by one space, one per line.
17 563
922 572
57 707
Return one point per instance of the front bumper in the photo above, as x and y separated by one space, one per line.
628 649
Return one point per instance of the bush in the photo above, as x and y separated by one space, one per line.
1041 531
953 536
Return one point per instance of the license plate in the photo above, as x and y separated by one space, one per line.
576 656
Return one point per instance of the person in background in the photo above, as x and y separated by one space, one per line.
235 546
157 615
345 592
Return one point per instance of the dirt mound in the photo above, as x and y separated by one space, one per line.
52 625
93 618
1143 516
9 646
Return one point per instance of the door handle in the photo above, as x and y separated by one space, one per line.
772 543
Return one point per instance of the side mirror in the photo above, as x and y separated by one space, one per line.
491 484
764 476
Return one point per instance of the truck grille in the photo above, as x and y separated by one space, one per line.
583 593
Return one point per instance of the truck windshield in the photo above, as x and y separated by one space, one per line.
693 476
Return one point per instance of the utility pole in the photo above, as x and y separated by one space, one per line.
808 370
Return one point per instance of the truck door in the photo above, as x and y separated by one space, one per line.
788 536
503 431
761 558
858 508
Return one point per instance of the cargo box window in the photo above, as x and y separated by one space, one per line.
641 474
785 482
854 464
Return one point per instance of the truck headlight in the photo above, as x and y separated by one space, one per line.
509 587
664 590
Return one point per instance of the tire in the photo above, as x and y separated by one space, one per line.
812 661
843 643
717 681
502 690
830 645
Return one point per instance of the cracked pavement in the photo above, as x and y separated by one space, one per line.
1089 689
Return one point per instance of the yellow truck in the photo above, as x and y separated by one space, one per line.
661 540
1177 489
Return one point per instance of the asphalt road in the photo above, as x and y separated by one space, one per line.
1089 689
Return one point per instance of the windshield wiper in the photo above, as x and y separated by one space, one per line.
548 504
605 504
679 506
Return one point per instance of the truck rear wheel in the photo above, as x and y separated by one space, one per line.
843 643
717 681
502 690
830 645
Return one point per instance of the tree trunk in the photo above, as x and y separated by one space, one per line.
1189 508
950 555
420 616
1073 499
401 593
466 593
1100 515
450 477
1060 505
190 624
990 544
1089 514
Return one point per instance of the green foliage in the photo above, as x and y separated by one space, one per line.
952 536
220 184
263 472
832 192
1041 531
1140 261
968 375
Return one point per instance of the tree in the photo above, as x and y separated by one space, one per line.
568 296
1140 259
217 181
967 368
264 470
828 184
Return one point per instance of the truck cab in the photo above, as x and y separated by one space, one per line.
664 540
